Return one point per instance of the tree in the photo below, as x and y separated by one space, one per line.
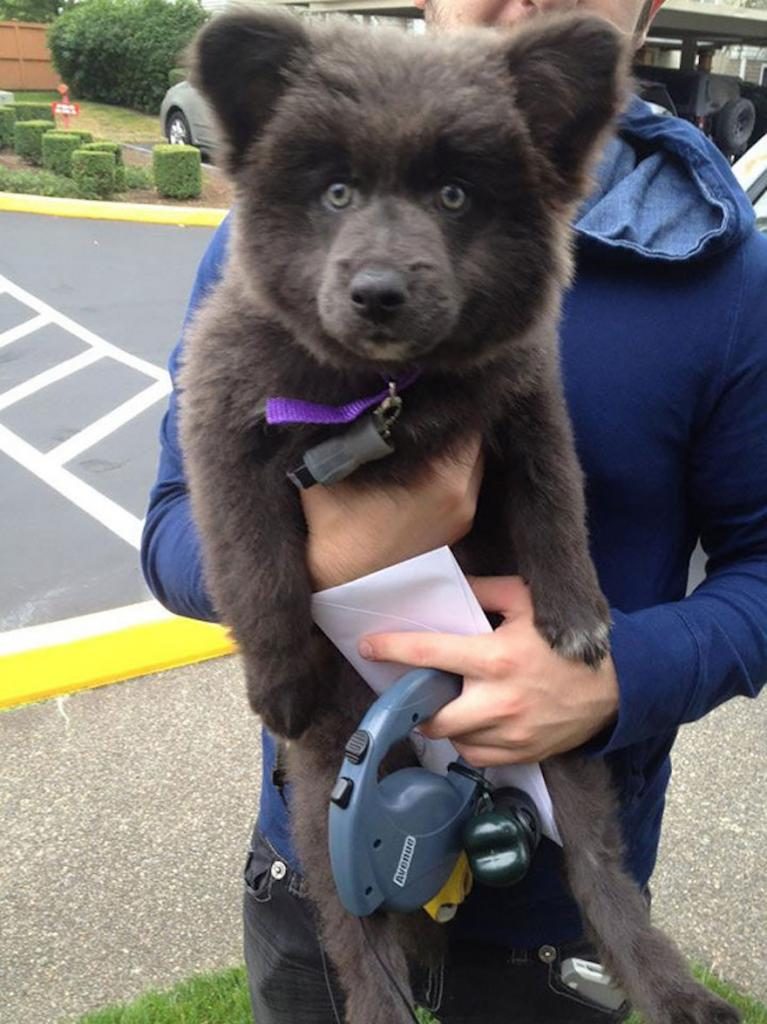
33 10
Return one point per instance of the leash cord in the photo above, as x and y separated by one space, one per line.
389 976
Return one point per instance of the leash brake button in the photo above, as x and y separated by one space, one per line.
357 747
342 792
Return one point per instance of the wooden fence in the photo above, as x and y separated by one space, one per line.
25 60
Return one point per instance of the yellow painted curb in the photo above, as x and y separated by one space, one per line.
93 209
109 658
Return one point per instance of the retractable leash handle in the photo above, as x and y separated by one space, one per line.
394 842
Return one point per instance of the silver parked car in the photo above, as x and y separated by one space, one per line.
186 118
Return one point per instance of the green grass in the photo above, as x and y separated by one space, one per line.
115 124
223 999
205 999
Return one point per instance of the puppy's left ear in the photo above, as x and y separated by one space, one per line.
238 62
570 78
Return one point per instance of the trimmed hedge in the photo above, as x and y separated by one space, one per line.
116 149
58 147
94 173
121 51
7 122
28 139
27 111
177 171
176 75
36 183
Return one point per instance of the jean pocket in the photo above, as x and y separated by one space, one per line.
258 872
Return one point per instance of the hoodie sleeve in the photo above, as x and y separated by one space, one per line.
676 662
170 548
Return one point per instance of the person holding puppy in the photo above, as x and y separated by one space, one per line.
665 369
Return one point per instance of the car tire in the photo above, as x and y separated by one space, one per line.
733 126
177 130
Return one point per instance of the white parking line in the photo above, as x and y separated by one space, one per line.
22 330
42 380
107 425
103 509
105 348
49 466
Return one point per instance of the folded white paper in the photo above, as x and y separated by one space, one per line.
427 593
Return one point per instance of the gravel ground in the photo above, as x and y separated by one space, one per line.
125 812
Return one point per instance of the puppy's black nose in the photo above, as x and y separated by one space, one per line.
378 294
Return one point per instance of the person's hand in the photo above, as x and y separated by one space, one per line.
520 700
354 531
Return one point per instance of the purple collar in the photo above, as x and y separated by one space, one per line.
294 410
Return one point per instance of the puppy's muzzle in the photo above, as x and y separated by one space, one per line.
378 294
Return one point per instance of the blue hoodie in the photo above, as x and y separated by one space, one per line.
664 355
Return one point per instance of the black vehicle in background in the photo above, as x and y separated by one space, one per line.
717 104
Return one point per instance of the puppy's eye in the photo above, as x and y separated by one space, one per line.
339 195
452 198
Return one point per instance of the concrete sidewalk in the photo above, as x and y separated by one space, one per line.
125 814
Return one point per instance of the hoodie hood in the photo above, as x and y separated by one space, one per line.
664 192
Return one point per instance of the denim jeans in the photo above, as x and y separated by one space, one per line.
292 982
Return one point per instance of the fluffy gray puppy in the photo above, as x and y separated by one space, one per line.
404 202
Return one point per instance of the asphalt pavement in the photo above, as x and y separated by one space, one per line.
125 814
89 311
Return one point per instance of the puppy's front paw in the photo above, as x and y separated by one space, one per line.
576 622
589 644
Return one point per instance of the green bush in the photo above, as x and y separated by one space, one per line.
138 177
28 139
27 111
121 51
94 173
176 75
7 121
177 171
36 183
58 147
117 151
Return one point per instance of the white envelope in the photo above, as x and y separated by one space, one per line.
427 593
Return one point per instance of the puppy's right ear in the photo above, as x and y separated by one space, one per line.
238 62
570 76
